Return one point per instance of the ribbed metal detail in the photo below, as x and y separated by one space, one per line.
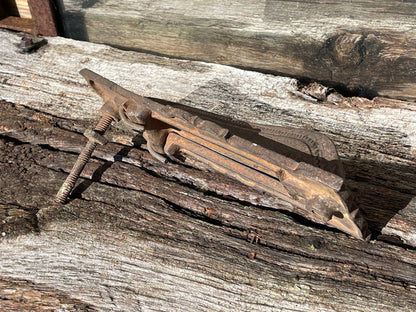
82 160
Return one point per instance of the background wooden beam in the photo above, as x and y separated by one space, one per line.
365 48
23 8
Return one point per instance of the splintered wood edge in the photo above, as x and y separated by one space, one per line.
117 248
23 295
403 225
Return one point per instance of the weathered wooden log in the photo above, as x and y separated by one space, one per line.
167 246
364 47
139 234
378 152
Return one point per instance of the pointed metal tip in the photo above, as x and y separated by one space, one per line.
347 225
354 213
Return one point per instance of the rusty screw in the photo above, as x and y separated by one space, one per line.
82 160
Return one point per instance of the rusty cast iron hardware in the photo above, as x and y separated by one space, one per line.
30 44
178 133
95 137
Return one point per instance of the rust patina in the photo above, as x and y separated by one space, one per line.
301 168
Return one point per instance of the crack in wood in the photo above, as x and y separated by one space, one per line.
145 250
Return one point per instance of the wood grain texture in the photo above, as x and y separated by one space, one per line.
403 225
140 235
366 47
134 241
22 295
23 8
377 152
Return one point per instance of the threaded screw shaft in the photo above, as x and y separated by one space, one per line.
82 160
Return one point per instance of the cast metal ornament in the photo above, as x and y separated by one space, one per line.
290 169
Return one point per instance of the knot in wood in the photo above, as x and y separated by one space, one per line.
349 49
